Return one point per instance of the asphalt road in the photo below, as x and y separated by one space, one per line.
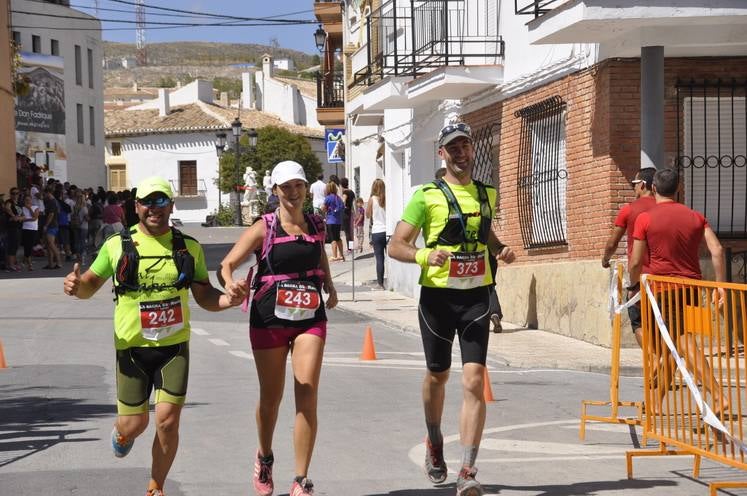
57 408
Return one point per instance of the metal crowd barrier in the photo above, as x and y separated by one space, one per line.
616 294
694 374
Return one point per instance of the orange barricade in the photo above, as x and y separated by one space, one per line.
695 375
614 403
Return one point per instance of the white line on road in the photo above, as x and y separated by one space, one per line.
218 342
559 451
242 354
200 332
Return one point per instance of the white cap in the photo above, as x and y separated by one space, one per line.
287 171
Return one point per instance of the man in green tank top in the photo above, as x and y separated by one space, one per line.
153 268
455 214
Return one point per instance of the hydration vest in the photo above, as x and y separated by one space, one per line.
455 230
262 284
126 276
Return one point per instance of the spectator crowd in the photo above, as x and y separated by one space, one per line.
58 222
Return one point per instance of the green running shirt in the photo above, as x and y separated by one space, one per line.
128 318
428 209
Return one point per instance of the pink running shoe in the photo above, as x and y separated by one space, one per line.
301 488
263 485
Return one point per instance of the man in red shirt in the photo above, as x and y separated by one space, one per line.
624 223
671 234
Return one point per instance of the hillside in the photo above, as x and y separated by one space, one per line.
185 61
191 53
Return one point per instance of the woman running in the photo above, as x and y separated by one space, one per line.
287 315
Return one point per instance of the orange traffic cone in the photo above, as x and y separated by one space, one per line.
486 391
3 365
369 352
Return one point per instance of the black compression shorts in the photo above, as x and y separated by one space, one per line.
140 370
444 313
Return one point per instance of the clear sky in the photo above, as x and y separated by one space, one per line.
298 37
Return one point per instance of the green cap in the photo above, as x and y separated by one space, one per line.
152 185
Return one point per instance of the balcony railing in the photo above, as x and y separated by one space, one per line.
414 37
536 7
330 90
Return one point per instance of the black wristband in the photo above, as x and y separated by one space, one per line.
633 287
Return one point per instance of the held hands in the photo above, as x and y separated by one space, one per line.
72 281
605 263
236 292
332 292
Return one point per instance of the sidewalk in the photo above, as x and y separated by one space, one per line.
514 347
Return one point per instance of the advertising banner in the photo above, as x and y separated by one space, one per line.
40 113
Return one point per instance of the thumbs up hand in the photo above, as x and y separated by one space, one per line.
72 281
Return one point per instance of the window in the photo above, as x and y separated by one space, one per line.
54 47
92 127
543 174
116 148
79 118
90 68
78 66
188 178
117 177
17 38
36 44
712 157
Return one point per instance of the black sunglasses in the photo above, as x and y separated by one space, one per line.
460 126
157 202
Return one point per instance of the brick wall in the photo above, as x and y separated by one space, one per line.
602 146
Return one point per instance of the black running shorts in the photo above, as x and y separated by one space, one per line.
140 370
444 313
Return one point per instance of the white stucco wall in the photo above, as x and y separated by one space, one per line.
85 161
197 90
308 111
363 156
160 154
277 98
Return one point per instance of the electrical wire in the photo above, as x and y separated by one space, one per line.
158 23
207 14
105 9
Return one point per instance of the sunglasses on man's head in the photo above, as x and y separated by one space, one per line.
157 202
635 181
460 126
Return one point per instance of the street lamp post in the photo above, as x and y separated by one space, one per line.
236 130
320 38
220 145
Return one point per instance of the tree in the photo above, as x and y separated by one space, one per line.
274 144
166 82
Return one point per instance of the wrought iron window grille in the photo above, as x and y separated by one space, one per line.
712 152
411 38
542 174
482 141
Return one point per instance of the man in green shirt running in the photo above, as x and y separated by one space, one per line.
153 267
455 214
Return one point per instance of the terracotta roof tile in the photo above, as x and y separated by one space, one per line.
195 117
